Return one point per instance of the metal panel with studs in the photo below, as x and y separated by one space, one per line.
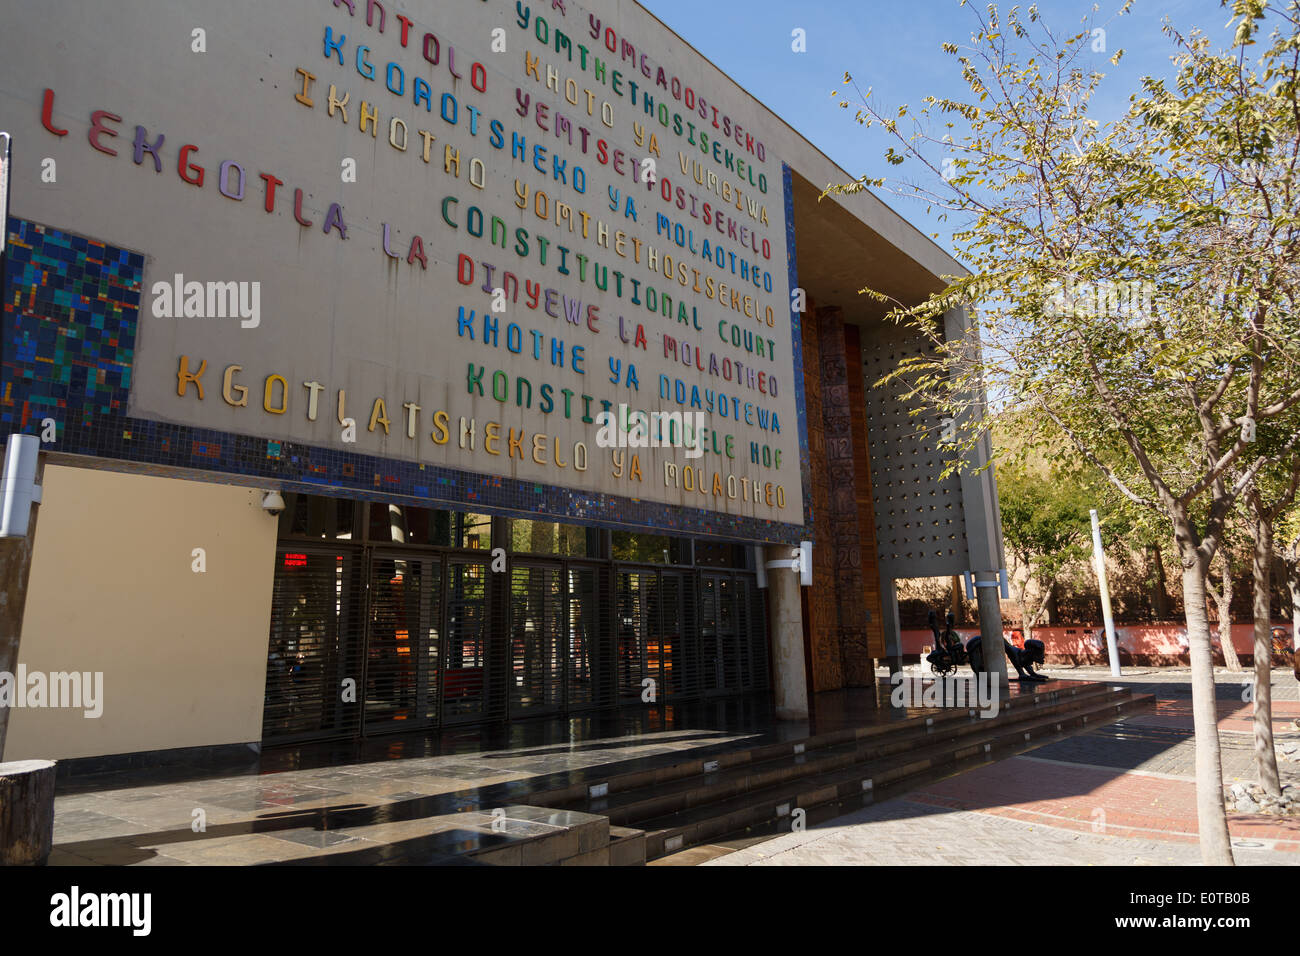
920 518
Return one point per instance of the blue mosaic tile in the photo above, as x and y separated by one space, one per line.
796 329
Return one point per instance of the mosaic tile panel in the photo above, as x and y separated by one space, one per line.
69 325
70 313
796 335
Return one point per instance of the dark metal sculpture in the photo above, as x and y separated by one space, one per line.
948 653
1022 660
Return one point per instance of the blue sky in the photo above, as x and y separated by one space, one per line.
894 47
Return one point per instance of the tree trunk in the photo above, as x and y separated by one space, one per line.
1265 754
1053 605
957 589
1223 605
1160 593
1043 595
1294 586
1022 601
1212 821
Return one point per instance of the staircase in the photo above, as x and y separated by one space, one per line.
760 791
657 810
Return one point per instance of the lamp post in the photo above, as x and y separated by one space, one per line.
1099 560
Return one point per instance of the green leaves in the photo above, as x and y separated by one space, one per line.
1191 196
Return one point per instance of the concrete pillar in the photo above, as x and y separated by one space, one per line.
786 617
893 631
15 571
986 594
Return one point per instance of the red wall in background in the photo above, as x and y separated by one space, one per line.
1147 644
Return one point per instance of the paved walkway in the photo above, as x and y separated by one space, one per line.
1122 794
1119 794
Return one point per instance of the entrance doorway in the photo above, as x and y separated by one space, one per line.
374 640
389 618
555 618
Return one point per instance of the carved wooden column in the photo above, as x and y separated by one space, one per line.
819 602
845 538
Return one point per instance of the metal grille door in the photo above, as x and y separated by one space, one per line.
653 635
583 632
374 639
466 688
317 635
635 596
537 619
754 663
403 672
733 634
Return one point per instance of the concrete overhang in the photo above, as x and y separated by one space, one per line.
846 243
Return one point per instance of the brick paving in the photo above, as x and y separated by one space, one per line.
1123 794
905 832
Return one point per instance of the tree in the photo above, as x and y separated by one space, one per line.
1046 528
1250 106
1134 279
1267 500
1222 597
1289 551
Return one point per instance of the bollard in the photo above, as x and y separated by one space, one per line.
26 812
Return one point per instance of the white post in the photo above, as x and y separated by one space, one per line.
1099 560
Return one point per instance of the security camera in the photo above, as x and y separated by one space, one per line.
272 503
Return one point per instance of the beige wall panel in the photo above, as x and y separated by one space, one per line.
183 653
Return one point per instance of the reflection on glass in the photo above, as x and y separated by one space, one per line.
547 537
640 548
409 524
473 531
316 516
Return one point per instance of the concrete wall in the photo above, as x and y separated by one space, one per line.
183 653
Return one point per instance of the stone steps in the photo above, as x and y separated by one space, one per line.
624 806
654 813
770 811
609 793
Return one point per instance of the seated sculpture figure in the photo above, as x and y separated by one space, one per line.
948 651
1022 660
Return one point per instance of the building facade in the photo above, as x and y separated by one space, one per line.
407 367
